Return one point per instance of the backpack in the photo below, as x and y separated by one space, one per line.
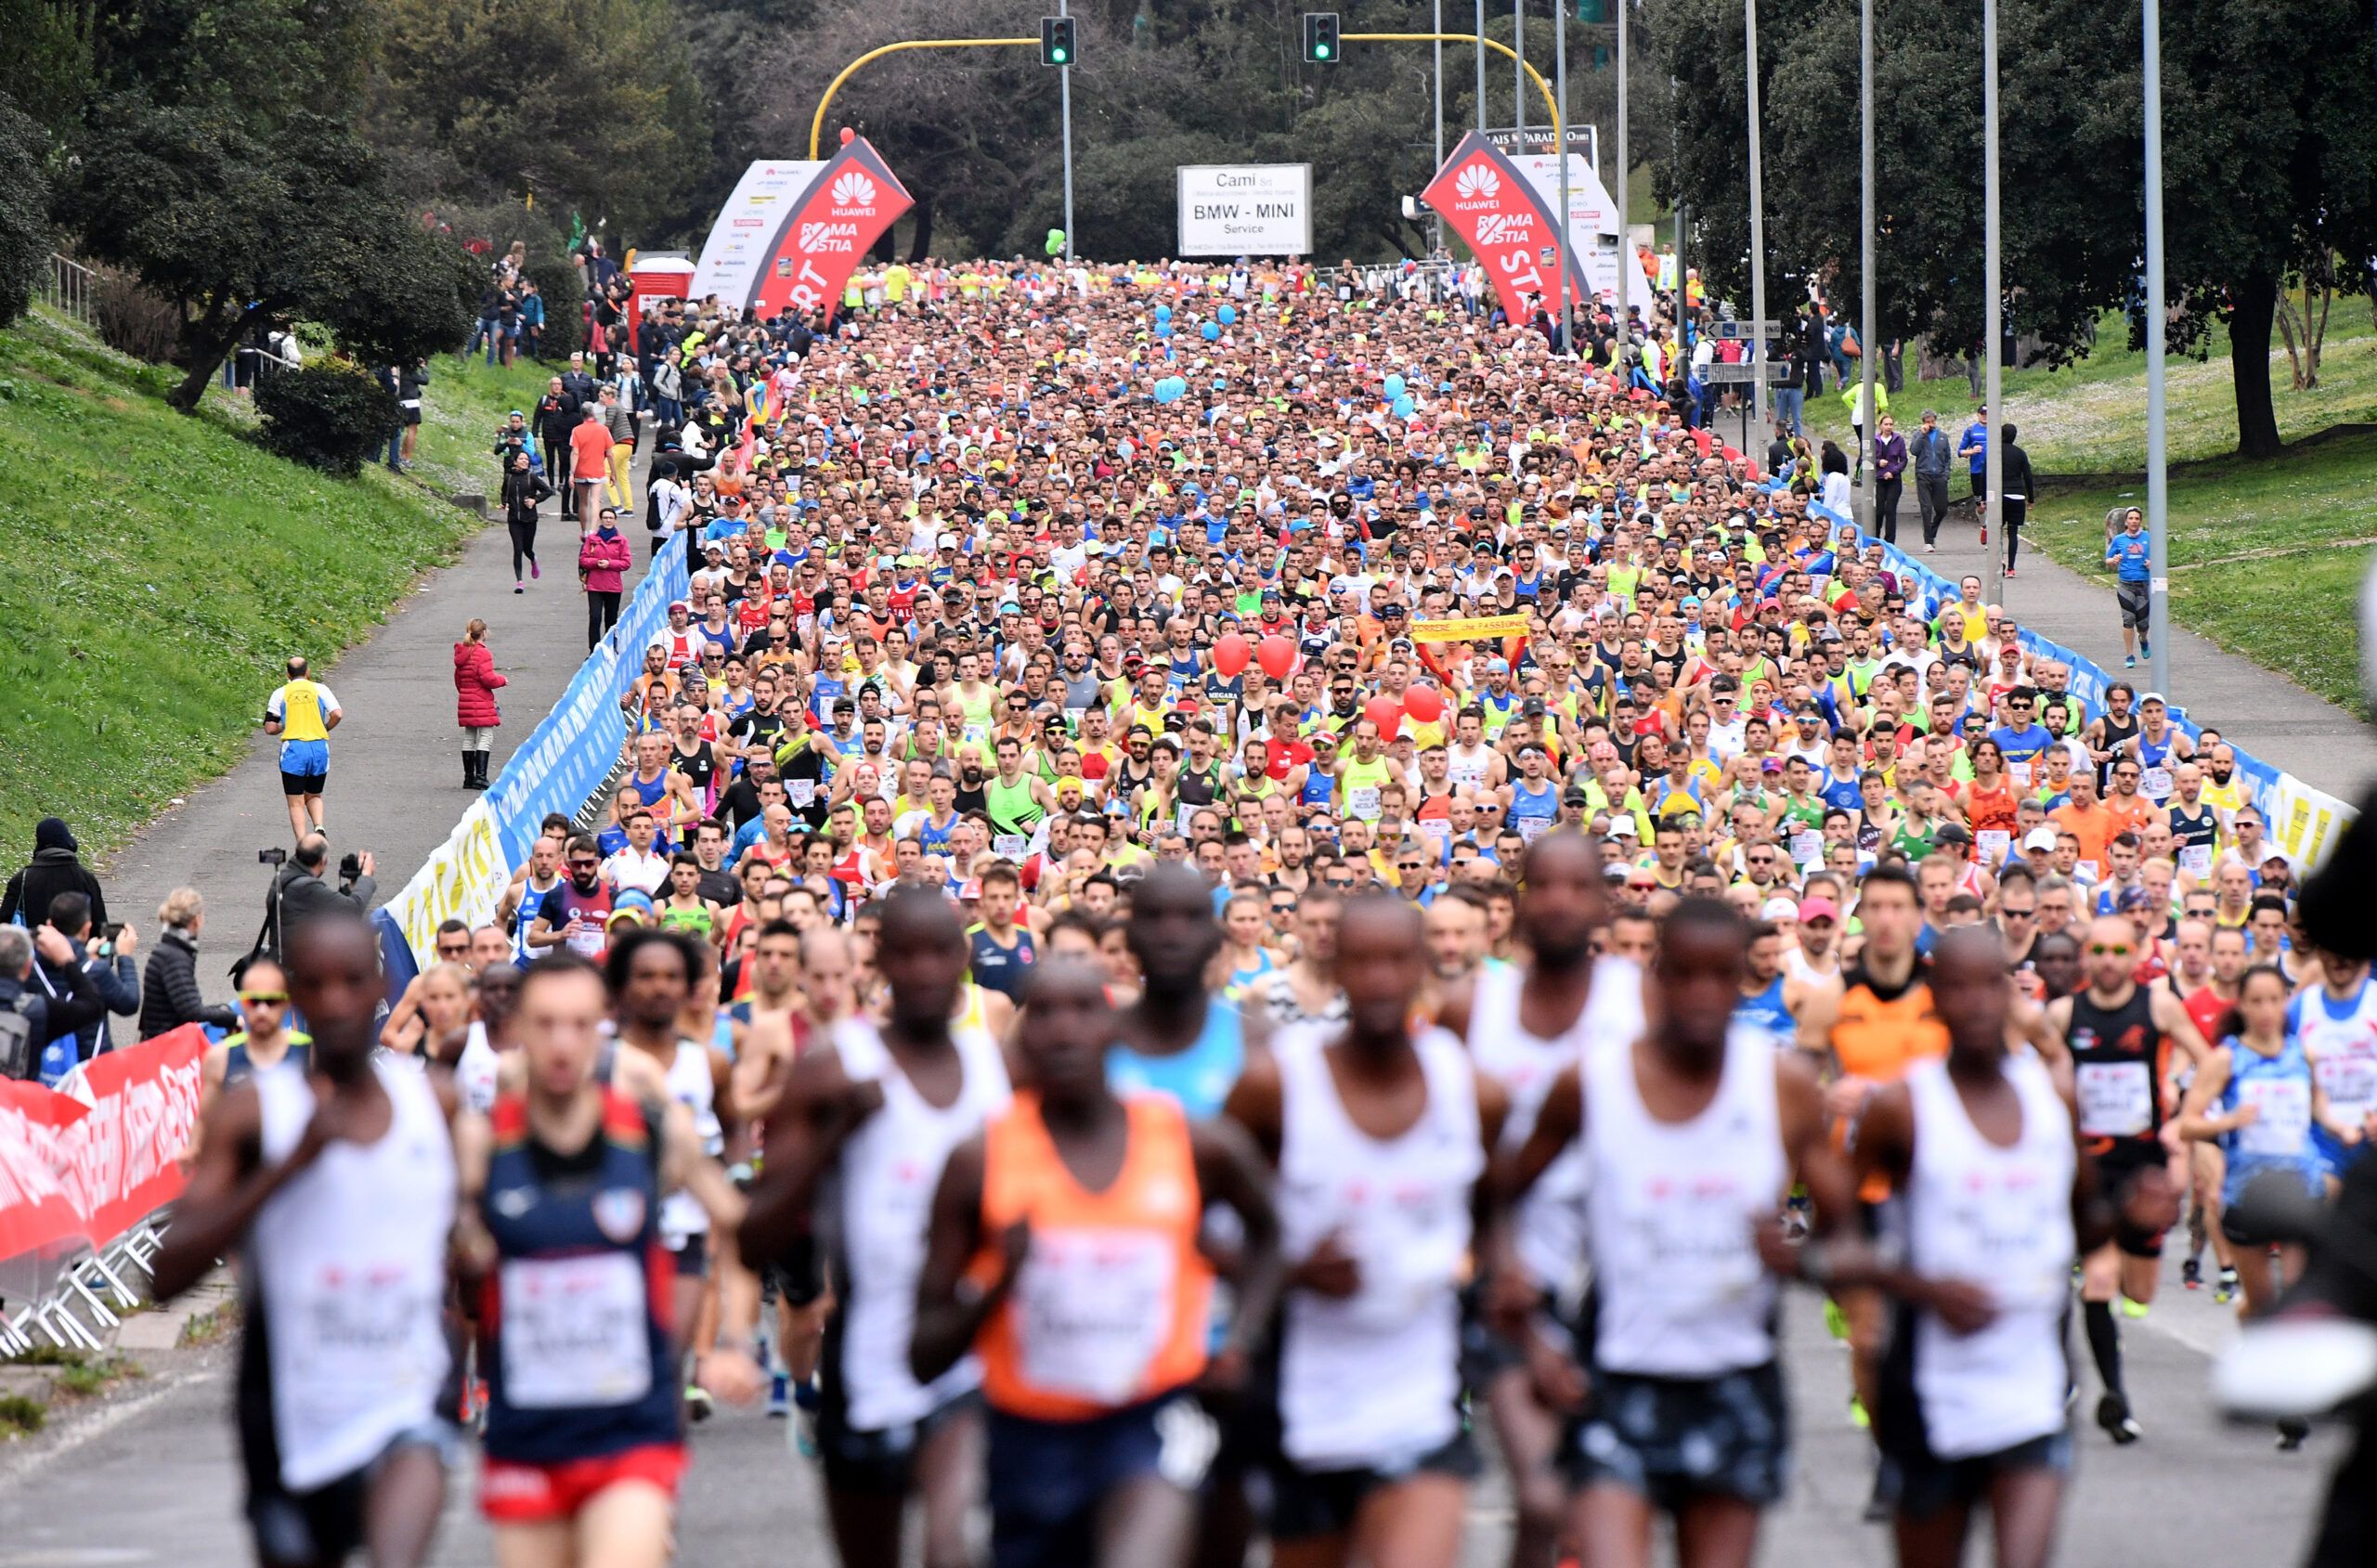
20 1053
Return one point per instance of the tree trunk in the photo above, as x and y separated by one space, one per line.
205 346
2253 310
920 239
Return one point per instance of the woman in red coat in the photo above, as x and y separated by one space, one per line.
474 684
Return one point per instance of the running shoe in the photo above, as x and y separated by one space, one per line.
698 1406
1857 1416
2292 1430
2145 648
2132 1309
2192 1273
2113 1414
2011 574
519 587
2130 662
779 1397
1836 1322
2225 1289
535 570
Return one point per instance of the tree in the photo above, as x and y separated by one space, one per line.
24 212
241 231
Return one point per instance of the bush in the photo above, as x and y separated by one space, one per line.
488 229
24 212
330 415
133 318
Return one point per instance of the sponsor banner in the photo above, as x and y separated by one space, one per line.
90 1160
2304 821
737 247
1594 229
1496 212
570 752
1245 209
849 202
1469 627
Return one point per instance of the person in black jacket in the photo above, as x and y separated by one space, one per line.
170 996
106 959
523 490
53 870
579 387
300 892
2014 505
30 1015
557 416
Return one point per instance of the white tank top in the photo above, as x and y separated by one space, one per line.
1467 770
2341 1036
1375 1379
1999 1217
692 1086
890 1167
1549 1229
1680 1290
348 1261
475 1073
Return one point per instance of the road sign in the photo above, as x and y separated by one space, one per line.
1758 371
1739 331
1583 141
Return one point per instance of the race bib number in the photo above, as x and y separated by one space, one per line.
2350 1082
2116 1098
1532 828
1437 828
2086 870
2196 861
2021 774
1092 1307
2155 784
2281 1124
1362 803
1807 848
356 1336
576 1332
587 940
1995 845
1183 813
802 792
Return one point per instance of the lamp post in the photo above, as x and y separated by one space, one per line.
1866 341
1993 306
2158 490
1756 227
1065 115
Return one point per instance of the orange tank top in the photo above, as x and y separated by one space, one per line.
1112 1305
1878 1040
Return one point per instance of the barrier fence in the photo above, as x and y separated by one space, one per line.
563 761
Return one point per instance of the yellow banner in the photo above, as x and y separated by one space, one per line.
1470 627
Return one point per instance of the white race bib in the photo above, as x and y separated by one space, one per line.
2196 860
2116 1098
802 792
2350 1082
2155 784
1092 1307
355 1337
1807 848
1362 803
2021 774
2282 1122
1994 844
1011 846
576 1332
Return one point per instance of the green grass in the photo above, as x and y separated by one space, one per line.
459 412
2265 558
20 1417
156 570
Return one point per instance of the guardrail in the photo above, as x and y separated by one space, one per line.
69 288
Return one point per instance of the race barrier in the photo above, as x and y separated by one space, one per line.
562 761
2302 821
85 1170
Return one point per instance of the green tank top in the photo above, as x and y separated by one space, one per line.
1012 809
1360 782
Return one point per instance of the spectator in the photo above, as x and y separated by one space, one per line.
29 1015
170 996
107 963
579 387
474 709
1890 478
53 870
532 319
1932 461
603 557
523 490
2015 504
620 419
556 413
301 892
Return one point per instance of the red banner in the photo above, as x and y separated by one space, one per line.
850 205
92 1164
1490 203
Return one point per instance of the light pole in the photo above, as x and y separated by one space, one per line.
1757 230
1628 268
1560 90
1065 112
1993 305
1481 67
1440 113
2158 487
1518 75
1866 341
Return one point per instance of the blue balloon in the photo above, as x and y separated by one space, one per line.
1228 314
1210 331
1404 406
1163 313
1393 388
1163 393
1164 329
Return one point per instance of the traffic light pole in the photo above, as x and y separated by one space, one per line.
1065 101
1543 88
817 123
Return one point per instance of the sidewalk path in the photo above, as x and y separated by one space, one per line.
2256 708
395 783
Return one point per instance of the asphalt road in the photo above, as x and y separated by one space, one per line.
156 1480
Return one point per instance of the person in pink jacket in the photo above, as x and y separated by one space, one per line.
475 687
603 556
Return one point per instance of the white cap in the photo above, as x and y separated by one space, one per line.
2041 839
1778 908
2151 698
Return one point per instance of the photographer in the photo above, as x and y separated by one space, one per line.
300 892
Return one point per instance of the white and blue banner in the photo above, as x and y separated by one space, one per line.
571 751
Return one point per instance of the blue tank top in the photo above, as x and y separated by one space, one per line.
578 1363
1320 789
532 902
1542 806
237 1067
1200 1078
2280 1138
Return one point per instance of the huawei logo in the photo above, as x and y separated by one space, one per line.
1478 181
854 189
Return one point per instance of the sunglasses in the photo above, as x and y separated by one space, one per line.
265 998
2108 950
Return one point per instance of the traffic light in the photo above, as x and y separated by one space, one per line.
1057 41
1320 37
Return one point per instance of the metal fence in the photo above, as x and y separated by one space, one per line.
69 288
64 1296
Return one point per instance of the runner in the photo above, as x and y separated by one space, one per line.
343 1351
303 714
1692 1133
2119 1032
567 1186
881 1108
1074 1216
1380 1134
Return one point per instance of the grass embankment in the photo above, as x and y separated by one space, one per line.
460 409
2266 558
155 570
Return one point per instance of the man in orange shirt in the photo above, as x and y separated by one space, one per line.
590 454
2128 807
2087 819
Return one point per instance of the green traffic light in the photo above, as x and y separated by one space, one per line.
1320 51
1057 55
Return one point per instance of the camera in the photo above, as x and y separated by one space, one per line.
111 931
350 867
272 857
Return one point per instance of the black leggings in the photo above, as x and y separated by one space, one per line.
523 541
2011 515
602 614
1886 495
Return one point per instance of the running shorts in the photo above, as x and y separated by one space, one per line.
692 1254
1673 1439
1305 1503
2115 1169
328 1523
1926 1482
1049 1480
512 1492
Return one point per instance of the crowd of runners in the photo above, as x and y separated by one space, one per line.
1228 888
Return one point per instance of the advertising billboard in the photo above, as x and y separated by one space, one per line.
1245 210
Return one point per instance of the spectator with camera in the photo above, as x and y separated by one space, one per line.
301 891
34 965
104 954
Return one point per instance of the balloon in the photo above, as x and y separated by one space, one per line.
1056 243
1276 656
1164 329
1424 703
1230 655
1163 313
1393 388
1733 454
847 135
1165 392
1384 712
1209 332
1227 315
1404 406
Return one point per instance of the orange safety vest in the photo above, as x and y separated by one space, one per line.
1113 1306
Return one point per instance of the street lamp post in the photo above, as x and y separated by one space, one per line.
1518 75
1623 184
2158 490
1993 305
1866 338
1481 67
1757 229
1439 224
1560 151
1065 113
